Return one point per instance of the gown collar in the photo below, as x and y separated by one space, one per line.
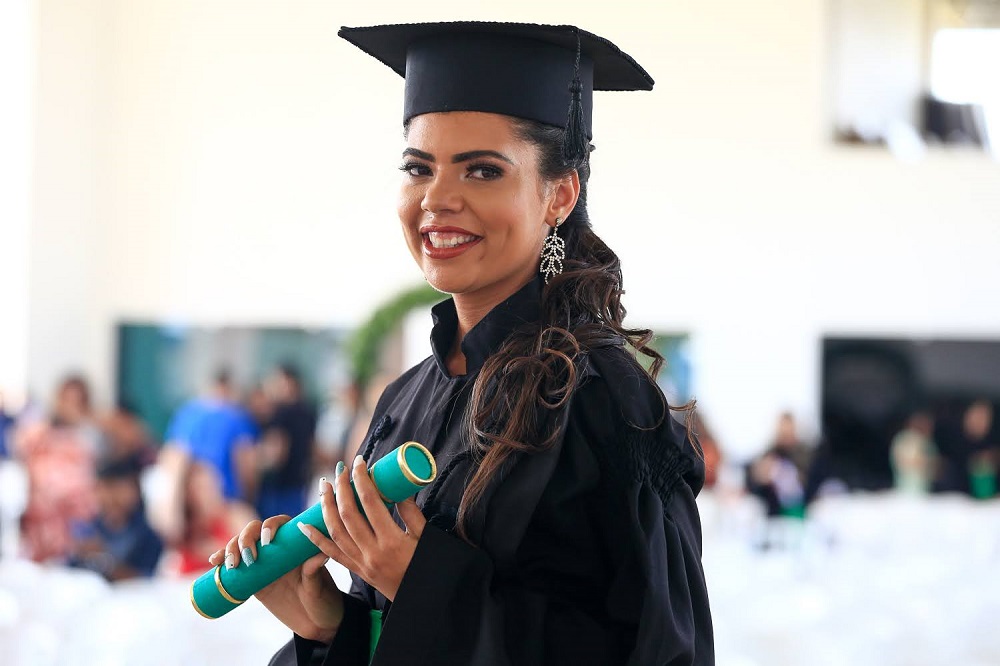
486 337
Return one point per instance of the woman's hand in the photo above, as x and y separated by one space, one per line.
374 548
306 599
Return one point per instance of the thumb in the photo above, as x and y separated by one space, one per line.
314 565
412 516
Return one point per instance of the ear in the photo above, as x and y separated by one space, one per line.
563 195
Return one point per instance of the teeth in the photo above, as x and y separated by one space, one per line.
447 239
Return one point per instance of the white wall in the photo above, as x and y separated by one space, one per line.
16 69
249 175
70 194
879 53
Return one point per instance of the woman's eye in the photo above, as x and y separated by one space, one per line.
415 169
485 171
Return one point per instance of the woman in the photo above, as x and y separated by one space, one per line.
562 527
60 458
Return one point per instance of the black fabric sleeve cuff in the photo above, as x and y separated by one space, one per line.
307 652
350 645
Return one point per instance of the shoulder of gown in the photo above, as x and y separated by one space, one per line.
633 431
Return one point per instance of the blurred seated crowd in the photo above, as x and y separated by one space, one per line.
101 493
924 457
104 495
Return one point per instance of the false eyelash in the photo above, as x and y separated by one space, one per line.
497 171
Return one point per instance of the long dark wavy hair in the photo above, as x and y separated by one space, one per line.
520 390
523 389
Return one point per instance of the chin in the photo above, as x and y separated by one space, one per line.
449 284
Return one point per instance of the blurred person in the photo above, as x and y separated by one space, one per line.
125 435
6 426
118 542
980 447
200 520
710 448
216 430
59 456
778 476
367 397
72 410
258 405
914 455
285 453
563 526
334 426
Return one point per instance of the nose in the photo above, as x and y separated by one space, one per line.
441 196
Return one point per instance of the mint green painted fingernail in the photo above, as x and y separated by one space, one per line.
340 468
247 556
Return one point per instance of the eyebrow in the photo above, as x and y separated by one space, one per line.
460 157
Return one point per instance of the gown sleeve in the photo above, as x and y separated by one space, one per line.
608 571
350 647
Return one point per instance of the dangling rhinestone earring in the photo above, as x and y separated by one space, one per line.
553 253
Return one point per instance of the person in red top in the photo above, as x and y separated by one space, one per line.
202 522
60 457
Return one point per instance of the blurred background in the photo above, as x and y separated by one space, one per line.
203 289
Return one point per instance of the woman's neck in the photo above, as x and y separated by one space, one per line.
470 310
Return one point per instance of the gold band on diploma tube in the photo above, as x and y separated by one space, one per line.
218 583
195 604
405 467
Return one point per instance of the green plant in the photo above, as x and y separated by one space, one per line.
364 345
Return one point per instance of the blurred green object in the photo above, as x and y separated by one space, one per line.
364 345
376 631
983 478
797 511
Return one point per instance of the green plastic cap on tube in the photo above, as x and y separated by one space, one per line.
398 476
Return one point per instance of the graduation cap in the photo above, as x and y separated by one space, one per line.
545 73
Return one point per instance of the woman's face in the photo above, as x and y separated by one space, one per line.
473 206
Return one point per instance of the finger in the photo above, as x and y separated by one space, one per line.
331 517
379 518
412 517
376 517
328 547
247 542
216 558
354 523
328 503
270 526
233 553
314 564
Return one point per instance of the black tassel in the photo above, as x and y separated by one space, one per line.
576 145
379 432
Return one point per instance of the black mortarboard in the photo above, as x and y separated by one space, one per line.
516 69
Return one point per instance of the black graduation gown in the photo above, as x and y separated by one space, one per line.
587 553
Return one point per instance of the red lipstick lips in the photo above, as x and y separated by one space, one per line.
447 242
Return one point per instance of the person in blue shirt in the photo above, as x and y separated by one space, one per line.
6 424
216 430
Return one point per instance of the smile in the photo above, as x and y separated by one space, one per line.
446 244
445 239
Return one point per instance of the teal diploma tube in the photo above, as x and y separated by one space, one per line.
397 477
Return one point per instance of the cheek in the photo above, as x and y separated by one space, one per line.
407 203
